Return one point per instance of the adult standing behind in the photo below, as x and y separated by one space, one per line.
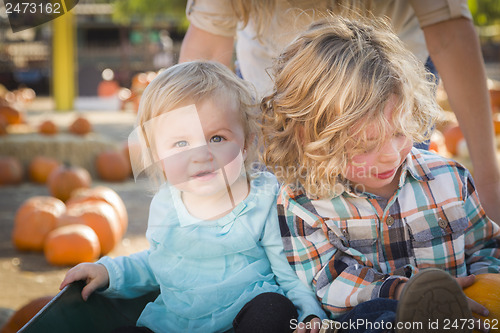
439 29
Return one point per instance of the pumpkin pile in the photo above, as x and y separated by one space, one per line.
90 224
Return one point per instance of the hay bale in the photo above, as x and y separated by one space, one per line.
76 150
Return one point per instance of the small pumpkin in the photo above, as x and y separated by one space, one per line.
486 291
112 166
24 314
108 88
71 244
34 219
41 167
80 126
48 127
11 170
105 194
100 216
65 179
12 115
3 125
451 138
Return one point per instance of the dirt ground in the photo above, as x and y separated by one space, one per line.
25 276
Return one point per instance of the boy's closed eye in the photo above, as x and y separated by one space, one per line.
217 139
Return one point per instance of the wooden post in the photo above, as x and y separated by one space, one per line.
63 61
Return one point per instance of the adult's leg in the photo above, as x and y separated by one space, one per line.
268 312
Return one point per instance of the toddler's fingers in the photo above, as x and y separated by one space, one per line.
92 286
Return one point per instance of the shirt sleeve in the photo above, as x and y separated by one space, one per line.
341 277
482 238
214 16
300 294
431 12
129 276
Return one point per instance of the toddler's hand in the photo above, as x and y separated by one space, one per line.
95 275
314 323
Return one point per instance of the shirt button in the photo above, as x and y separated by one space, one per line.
442 223
346 234
389 220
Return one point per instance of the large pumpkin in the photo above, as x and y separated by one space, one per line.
100 216
486 291
41 167
112 166
65 179
105 194
24 314
34 219
11 170
71 244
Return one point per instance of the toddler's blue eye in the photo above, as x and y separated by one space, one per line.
216 139
180 144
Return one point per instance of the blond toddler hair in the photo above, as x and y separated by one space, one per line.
190 83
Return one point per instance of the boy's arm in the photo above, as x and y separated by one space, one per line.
301 295
129 276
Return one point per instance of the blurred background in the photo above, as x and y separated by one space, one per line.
123 37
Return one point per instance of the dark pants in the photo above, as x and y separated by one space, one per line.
373 316
266 313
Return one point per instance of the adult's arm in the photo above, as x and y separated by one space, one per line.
454 48
199 44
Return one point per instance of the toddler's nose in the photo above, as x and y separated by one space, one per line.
202 154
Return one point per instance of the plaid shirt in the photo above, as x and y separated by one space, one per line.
357 246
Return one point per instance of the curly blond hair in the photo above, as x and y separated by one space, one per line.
331 83
191 83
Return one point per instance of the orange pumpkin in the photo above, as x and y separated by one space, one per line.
71 244
24 314
112 166
105 194
41 167
3 125
34 219
65 179
100 216
486 291
48 127
13 116
108 88
80 126
451 138
11 170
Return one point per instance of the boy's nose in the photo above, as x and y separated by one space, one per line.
390 152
